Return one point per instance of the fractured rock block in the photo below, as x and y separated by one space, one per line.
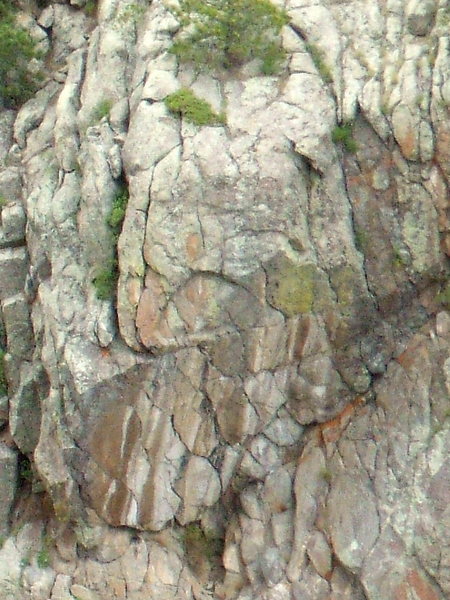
199 488
12 230
13 270
8 484
25 407
19 334
421 14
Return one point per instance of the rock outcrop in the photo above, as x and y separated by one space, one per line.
261 410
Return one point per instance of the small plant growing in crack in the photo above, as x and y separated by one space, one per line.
201 545
101 110
343 135
132 13
105 280
43 558
318 58
117 214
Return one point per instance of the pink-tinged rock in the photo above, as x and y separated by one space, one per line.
150 322
353 519
406 131
308 485
311 586
418 586
319 553
235 415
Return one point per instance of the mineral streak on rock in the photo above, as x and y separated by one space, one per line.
261 409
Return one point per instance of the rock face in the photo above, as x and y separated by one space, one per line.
262 409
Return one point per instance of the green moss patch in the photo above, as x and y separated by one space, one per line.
343 135
105 281
184 103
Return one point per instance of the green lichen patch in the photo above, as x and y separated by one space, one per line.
290 286
346 285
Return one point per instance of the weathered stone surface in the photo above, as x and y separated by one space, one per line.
4 410
8 485
199 487
25 407
12 231
420 15
272 376
353 533
16 318
13 270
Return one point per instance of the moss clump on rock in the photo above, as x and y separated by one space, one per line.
117 214
343 135
185 104
105 281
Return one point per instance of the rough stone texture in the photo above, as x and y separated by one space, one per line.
8 481
262 412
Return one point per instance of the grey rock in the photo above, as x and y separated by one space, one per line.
420 15
25 407
13 270
12 231
271 566
8 487
4 410
6 122
353 534
284 431
16 318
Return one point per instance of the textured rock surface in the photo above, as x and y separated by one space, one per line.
262 411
